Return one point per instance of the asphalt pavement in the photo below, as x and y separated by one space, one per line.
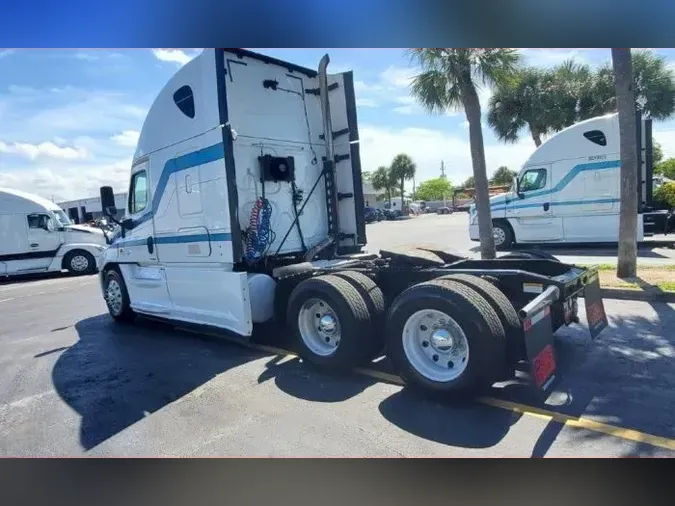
452 231
74 383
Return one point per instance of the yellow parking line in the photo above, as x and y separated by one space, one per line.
566 420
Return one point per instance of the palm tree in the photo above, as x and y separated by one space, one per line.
524 101
449 80
623 82
653 83
402 169
383 181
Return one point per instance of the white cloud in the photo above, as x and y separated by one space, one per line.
68 183
366 102
6 52
666 138
552 57
43 150
178 56
127 138
428 147
86 56
398 77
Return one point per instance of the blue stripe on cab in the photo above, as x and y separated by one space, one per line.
565 181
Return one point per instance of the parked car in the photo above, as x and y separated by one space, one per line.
444 210
370 214
380 214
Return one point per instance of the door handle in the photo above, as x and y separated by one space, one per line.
151 245
546 206
34 245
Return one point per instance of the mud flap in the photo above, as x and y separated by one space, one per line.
595 308
540 349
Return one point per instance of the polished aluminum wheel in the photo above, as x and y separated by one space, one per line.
435 345
79 263
319 327
113 296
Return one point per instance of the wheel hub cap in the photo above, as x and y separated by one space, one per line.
319 327
328 323
79 263
114 297
499 235
441 340
435 345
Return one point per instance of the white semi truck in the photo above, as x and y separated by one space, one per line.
245 206
568 191
37 236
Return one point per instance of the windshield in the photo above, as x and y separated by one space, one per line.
62 218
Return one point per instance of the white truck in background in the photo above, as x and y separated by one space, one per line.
568 191
37 236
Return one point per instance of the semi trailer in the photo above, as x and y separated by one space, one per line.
568 191
245 207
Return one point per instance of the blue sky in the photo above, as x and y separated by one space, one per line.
69 119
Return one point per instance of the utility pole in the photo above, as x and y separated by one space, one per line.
442 169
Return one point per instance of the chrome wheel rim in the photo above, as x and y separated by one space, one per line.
113 296
79 263
499 236
319 327
435 345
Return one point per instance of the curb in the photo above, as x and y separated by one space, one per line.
638 295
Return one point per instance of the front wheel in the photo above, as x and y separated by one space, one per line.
80 262
503 235
117 297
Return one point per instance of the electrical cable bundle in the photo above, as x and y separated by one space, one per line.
259 236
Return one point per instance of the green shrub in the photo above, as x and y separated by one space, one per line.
665 195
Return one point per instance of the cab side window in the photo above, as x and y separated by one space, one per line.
138 192
37 221
533 179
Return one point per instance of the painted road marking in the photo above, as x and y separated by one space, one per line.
37 293
565 420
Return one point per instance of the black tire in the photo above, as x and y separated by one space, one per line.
507 316
72 261
353 316
374 298
125 313
508 235
480 323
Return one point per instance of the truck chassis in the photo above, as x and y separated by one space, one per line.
449 325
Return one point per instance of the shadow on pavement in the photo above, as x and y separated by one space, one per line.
116 374
26 278
303 381
469 426
625 378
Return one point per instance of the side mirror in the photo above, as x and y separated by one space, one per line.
108 201
127 224
520 194
49 225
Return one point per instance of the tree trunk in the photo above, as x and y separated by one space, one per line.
402 185
482 195
628 209
536 136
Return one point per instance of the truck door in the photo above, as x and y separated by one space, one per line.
44 242
531 212
145 279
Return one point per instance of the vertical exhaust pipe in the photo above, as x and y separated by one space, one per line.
329 164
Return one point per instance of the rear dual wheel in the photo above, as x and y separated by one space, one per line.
334 320
444 338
